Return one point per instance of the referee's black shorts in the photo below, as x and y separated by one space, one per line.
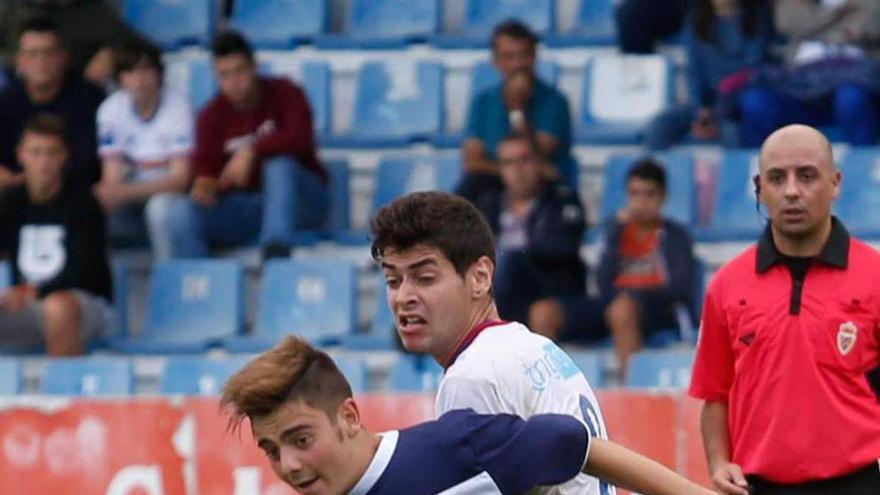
865 481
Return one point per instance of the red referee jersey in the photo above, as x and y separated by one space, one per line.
791 359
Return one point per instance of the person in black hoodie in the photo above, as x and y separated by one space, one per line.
53 230
538 223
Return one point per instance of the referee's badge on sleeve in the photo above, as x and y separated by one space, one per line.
846 337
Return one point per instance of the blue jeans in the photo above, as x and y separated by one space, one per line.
132 224
851 108
292 198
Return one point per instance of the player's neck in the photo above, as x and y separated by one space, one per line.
365 453
485 312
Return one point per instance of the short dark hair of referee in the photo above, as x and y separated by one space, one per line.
789 349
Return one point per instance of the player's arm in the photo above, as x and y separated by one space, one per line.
727 476
627 469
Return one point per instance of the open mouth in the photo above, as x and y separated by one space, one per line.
410 322
304 485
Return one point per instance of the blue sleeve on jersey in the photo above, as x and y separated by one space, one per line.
547 449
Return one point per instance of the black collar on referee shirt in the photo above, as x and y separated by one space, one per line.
835 253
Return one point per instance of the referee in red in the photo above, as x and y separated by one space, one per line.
788 358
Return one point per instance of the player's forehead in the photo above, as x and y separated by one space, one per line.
414 258
290 416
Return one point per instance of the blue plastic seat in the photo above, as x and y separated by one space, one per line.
860 192
355 371
172 24
194 78
415 373
396 103
87 376
595 26
681 194
667 369
339 216
280 23
591 364
5 275
481 17
193 305
735 215
10 376
385 24
312 298
195 375
316 83
401 175
620 95
382 334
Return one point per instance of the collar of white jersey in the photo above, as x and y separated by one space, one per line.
377 466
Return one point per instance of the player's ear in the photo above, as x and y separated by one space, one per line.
349 417
480 277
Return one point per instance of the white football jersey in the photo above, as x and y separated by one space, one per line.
146 145
509 369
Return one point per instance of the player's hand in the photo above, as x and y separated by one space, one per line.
16 298
204 191
728 479
237 172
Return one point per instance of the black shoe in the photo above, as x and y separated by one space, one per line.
275 250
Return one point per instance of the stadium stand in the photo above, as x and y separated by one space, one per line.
172 24
5 275
620 94
355 370
415 373
10 376
193 304
279 24
87 376
193 77
591 364
735 213
313 298
665 369
196 375
396 103
594 26
860 192
481 16
385 24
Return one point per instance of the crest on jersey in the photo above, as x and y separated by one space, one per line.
847 335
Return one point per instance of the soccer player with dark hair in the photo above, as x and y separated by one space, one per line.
304 418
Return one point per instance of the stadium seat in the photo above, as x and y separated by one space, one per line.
415 373
735 216
193 304
5 275
681 197
355 370
385 24
339 216
278 24
313 77
595 26
10 376
591 364
667 369
396 103
621 93
481 17
860 192
120 296
401 175
87 376
193 375
382 334
312 298
172 24
193 77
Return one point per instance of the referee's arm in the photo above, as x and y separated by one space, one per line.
726 476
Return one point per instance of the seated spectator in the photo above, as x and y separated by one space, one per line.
642 23
257 174
538 224
89 27
521 103
53 230
829 76
145 136
45 86
724 38
646 275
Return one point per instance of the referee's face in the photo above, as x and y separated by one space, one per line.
799 182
